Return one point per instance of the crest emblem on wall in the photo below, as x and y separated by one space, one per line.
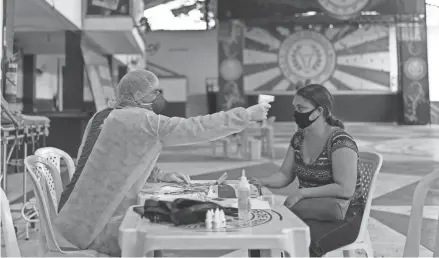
307 55
415 68
280 57
343 9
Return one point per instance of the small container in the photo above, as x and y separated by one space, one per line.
223 219
244 195
217 219
209 220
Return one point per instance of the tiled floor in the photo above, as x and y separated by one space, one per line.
410 152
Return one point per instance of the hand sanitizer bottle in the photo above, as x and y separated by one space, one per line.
217 219
223 219
209 219
244 192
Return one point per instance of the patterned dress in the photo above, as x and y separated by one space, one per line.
327 236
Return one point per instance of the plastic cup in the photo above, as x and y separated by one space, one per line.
265 98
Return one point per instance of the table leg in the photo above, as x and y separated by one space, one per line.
244 145
254 253
270 143
226 148
213 146
155 253
261 253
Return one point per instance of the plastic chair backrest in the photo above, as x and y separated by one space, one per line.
369 166
55 155
414 231
7 228
47 186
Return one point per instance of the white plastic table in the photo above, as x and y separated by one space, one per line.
275 229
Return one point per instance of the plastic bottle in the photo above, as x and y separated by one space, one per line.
223 219
244 193
209 219
216 219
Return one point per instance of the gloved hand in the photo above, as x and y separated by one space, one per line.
258 112
175 177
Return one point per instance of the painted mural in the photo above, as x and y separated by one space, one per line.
413 56
281 58
334 9
342 9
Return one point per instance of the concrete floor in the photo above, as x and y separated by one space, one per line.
410 152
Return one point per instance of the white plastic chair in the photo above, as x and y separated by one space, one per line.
369 166
54 155
47 186
7 228
413 241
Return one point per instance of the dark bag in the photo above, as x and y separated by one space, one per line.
326 208
180 211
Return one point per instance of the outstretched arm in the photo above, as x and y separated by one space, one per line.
174 131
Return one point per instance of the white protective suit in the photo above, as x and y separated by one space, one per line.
119 165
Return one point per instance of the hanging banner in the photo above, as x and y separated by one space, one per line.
109 4
412 42
230 56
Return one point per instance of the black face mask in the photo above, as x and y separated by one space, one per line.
302 119
158 105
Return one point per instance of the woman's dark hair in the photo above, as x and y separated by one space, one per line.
319 96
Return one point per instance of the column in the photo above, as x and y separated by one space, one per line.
9 10
66 127
413 71
29 79
73 77
9 90
230 58
413 66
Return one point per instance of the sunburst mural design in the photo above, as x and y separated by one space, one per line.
278 58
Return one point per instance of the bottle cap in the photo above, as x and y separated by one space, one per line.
209 215
244 182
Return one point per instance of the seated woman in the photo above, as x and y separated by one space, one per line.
324 157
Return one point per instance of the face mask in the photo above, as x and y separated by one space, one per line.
158 105
302 119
